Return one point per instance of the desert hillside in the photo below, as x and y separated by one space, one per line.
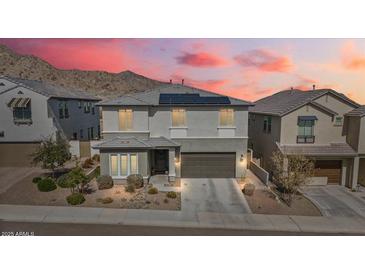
99 83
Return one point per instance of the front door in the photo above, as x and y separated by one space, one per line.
161 161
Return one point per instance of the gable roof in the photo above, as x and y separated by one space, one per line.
49 90
284 102
357 112
151 97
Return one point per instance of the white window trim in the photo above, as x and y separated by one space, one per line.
118 162
132 122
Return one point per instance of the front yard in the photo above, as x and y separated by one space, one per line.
25 192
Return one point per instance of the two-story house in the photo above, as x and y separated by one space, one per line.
175 130
309 123
32 110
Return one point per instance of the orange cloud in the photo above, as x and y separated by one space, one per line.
201 59
264 60
352 59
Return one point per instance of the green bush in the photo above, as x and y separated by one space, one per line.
136 180
130 188
171 195
63 181
166 201
75 199
153 190
46 185
36 180
104 182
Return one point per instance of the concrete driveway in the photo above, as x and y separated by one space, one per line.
212 196
336 201
9 176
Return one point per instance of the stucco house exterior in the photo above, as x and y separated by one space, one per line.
310 123
175 130
32 110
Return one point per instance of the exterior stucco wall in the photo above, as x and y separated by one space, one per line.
143 161
362 136
42 122
352 125
262 143
111 118
77 118
325 131
362 172
239 146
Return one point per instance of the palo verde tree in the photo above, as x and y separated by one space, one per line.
52 153
290 173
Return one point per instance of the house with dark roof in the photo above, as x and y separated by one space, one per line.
310 123
32 110
175 130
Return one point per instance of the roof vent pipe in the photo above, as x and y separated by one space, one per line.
170 81
314 87
182 82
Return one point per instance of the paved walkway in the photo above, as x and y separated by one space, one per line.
333 200
48 214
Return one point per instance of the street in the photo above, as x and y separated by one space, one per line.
55 229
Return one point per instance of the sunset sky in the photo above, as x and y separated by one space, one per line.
243 68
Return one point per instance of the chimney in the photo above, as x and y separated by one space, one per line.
182 82
314 87
170 81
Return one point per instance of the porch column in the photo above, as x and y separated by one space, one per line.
344 172
355 172
172 172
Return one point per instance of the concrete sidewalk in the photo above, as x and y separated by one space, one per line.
50 214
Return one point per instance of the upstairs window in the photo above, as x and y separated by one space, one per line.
178 117
92 109
87 107
226 117
63 112
125 119
306 129
267 124
80 104
338 121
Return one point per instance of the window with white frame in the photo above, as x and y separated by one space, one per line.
226 117
338 121
123 164
178 117
125 119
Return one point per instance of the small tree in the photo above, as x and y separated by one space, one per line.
77 179
290 173
52 153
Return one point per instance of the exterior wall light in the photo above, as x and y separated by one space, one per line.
242 158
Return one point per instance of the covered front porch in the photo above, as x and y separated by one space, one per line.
123 156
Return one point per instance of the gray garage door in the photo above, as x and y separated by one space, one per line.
208 165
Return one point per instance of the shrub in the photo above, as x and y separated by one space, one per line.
249 189
153 190
166 201
36 180
87 163
75 199
106 200
136 180
96 157
130 188
104 182
46 185
171 195
63 181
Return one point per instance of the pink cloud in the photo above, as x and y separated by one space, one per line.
265 60
201 59
211 85
352 59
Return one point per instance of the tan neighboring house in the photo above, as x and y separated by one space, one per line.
311 123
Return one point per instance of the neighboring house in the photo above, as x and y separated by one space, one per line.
175 130
355 128
309 123
33 110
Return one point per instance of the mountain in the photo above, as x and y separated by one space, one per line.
100 83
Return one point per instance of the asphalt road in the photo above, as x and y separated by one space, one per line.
53 229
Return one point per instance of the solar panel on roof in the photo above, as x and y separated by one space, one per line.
191 99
